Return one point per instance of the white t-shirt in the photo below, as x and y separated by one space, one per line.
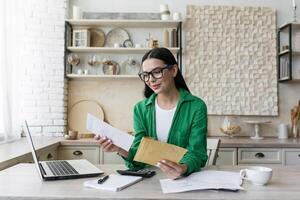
164 120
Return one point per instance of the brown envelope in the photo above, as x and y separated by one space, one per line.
151 151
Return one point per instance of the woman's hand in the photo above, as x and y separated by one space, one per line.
108 146
171 169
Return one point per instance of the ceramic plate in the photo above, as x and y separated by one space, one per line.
78 112
97 38
117 35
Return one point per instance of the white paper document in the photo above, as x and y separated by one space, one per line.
118 137
206 179
114 183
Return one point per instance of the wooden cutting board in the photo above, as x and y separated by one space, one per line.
78 112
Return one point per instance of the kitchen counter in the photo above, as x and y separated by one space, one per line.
19 149
22 182
267 142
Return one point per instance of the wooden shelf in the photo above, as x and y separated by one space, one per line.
124 23
114 50
99 76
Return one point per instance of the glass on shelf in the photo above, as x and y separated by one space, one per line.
73 59
131 66
110 67
230 126
94 60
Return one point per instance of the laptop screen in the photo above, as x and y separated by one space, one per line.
35 159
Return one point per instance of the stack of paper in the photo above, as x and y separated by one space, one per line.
118 137
207 179
114 182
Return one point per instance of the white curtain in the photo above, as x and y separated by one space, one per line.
10 125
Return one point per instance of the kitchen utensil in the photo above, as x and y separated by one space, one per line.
78 112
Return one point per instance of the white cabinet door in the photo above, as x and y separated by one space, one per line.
259 156
291 156
227 156
91 153
112 158
49 153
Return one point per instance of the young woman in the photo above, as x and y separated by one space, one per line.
168 113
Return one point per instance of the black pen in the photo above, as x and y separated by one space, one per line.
103 179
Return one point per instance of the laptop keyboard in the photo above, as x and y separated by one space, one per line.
61 168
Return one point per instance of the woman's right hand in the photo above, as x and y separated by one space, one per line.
107 144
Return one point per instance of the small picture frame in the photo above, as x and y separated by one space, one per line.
81 38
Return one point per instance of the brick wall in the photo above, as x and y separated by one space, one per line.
44 88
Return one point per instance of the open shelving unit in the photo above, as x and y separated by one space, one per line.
286 56
100 23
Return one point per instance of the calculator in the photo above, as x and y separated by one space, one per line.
137 172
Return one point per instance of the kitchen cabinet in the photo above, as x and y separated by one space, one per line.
91 153
259 156
291 156
49 153
112 158
227 156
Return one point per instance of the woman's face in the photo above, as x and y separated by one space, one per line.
165 75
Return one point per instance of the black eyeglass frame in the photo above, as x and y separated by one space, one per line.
153 76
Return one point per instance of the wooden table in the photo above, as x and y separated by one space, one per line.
22 182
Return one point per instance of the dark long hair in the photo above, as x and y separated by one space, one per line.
168 58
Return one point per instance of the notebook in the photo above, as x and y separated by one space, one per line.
62 169
114 183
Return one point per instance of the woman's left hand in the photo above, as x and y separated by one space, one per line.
172 169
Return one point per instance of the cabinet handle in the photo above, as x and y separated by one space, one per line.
259 155
77 153
49 156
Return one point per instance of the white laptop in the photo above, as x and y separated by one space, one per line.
62 169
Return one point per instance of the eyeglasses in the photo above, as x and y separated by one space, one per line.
156 73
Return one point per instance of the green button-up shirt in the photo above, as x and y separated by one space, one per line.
188 129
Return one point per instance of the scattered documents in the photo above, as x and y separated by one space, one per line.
114 182
206 179
151 151
118 137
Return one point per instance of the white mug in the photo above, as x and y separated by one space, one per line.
282 131
257 175
86 72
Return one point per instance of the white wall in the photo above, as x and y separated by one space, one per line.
44 89
289 93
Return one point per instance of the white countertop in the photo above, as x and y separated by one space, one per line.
22 182
21 147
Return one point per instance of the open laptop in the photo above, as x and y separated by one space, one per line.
62 169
